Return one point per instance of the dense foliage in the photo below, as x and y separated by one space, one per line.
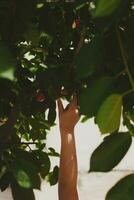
55 49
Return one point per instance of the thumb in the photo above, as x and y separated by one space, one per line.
60 106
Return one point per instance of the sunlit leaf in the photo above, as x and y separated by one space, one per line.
109 114
27 178
84 119
105 8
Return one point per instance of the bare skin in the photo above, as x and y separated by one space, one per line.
68 118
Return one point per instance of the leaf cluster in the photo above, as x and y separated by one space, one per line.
54 49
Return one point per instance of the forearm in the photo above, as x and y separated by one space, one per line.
68 165
68 118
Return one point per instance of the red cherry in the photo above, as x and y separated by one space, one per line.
40 97
78 22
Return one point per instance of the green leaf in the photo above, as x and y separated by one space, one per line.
51 116
123 190
25 173
4 181
108 116
86 62
7 62
22 177
44 161
84 119
105 8
20 193
53 152
128 123
53 176
91 97
110 152
80 4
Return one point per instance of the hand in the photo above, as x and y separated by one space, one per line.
69 116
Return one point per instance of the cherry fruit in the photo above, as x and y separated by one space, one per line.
40 97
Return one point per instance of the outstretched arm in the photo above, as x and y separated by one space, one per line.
68 118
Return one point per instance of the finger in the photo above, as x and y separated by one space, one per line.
60 106
67 107
73 103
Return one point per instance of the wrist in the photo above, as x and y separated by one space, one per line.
67 137
66 131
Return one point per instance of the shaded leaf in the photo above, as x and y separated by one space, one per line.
124 189
53 152
4 181
108 117
53 176
44 161
128 123
51 116
110 152
20 193
91 97
86 62
7 62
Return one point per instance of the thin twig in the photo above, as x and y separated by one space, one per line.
123 54
120 73
27 143
128 92
81 42
19 143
